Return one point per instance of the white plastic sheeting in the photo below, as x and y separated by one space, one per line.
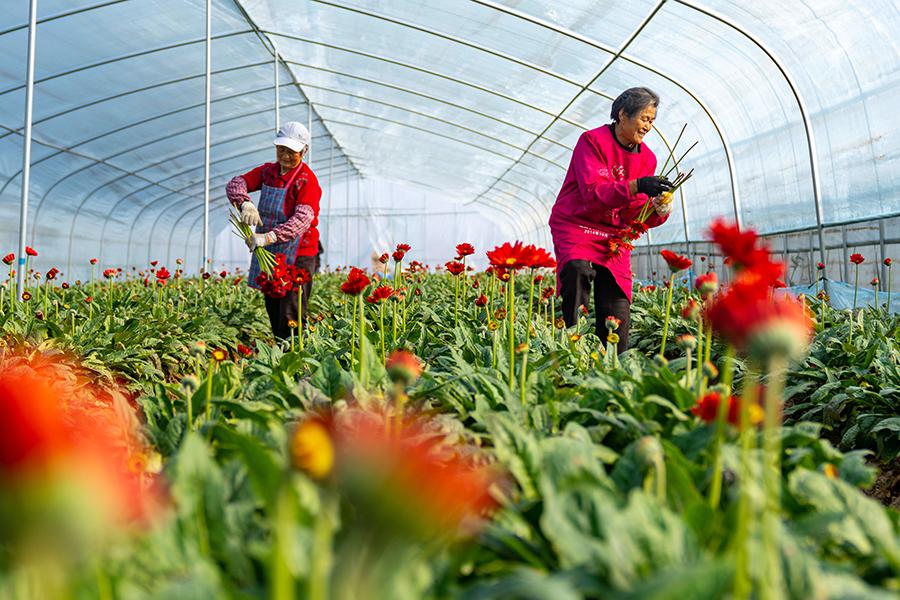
475 104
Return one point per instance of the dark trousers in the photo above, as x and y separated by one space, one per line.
575 282
283 310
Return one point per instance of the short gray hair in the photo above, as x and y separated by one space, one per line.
632 101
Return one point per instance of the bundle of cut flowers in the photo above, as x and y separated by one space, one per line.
265 258
282 279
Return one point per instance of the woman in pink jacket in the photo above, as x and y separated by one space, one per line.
610 179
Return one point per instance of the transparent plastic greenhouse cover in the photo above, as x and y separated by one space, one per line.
436 122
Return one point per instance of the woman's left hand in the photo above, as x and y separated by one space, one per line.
662 204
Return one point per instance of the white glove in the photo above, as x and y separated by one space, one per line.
249 214
260 240
662 205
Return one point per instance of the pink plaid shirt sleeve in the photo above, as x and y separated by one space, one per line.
236 191
296 226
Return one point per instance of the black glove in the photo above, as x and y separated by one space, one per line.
653 186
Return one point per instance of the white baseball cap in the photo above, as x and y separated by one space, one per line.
293 135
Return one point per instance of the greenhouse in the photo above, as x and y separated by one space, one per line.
463 299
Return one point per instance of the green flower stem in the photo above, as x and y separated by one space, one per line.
889 289
353 334
855 284
300 316
209 378
381 328
362 346
662 350
742 538
700 346
772 579
552 311
511 323
715 491
323 552
455 301
394 308
523 375
282 581
530 310
689 371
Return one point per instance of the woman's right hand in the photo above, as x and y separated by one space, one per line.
653 185
249 214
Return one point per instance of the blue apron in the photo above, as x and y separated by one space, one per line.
271 213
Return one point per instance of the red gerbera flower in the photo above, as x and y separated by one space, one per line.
676 262
741 247
94 261
356 282
383 258
455 268
380 293
244 350
404 248
820 266
9 258
109 273
153 263
548 292
163 274
465 249
887 262
707 284
541 259
30 251
857 258
481 301
398 254
509 256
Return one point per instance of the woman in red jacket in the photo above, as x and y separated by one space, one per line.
286 219
610 179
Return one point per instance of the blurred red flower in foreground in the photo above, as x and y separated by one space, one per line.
747 315
403 475
707 408
58 427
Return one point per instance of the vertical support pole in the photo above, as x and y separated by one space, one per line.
787 263
883 274
812 259
206 143
346 244
330 203
277 88
358 221
846 266
26 144
309 128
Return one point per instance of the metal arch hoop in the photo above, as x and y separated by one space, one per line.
801 105
594 43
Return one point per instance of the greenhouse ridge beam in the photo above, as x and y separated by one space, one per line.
729 157
63 15
124 57
135 172
646 20
134 91
801 105
270 46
